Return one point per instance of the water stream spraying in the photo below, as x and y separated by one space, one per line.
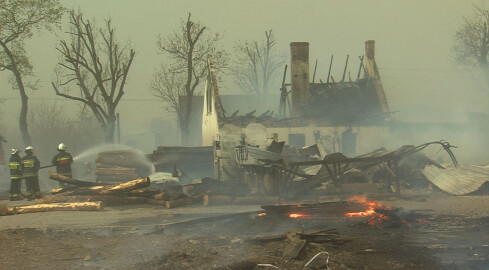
91 154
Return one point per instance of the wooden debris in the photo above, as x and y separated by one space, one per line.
322 236
63 189
78 206
156 202
71 181
167 196
121 165
294 249
336 208
110 189
184 202
146 192
108 200
268 238
219 200
3 210
127 186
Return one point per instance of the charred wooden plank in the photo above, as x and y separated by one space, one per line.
184 202
268 238
167 196
320 209
294 249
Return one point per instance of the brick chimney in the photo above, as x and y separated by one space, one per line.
370 49
299 70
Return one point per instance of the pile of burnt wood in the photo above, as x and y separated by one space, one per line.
206 192
121 165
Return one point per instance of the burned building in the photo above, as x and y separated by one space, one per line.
349 116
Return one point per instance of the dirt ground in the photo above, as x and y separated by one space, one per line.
438 231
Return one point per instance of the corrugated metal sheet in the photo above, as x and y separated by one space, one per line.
261 154
460 180
312 170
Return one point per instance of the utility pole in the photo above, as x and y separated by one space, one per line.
118 128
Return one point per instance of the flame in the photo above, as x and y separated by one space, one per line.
370 211
296 215
377 219
422 220
370 206
262 214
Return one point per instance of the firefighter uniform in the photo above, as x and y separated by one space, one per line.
15 165
30 168
63 161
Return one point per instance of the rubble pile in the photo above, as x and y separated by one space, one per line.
77 194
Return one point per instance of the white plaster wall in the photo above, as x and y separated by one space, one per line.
210 125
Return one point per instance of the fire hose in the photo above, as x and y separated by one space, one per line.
22 179
47 166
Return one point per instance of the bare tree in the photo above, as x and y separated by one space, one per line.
18 20
169 86
97 66
51 125
472 42
257 64
187 49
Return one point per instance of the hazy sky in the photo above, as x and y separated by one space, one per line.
414 40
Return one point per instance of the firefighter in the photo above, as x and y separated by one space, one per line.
30 168
63 160
15 164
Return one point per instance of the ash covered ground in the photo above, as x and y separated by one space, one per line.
437 231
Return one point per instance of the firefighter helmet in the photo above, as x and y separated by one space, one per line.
15 151
29 149
61 147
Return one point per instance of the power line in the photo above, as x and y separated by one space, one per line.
64 99
426 69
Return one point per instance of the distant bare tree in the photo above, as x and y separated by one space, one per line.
169 86
51 125
187 49
472 42
257 64
97 66
18 20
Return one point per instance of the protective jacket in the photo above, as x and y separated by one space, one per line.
15 165
30 165
63 161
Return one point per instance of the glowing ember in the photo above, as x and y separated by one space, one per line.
365 213
369 205
296 215
377 220
262 214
